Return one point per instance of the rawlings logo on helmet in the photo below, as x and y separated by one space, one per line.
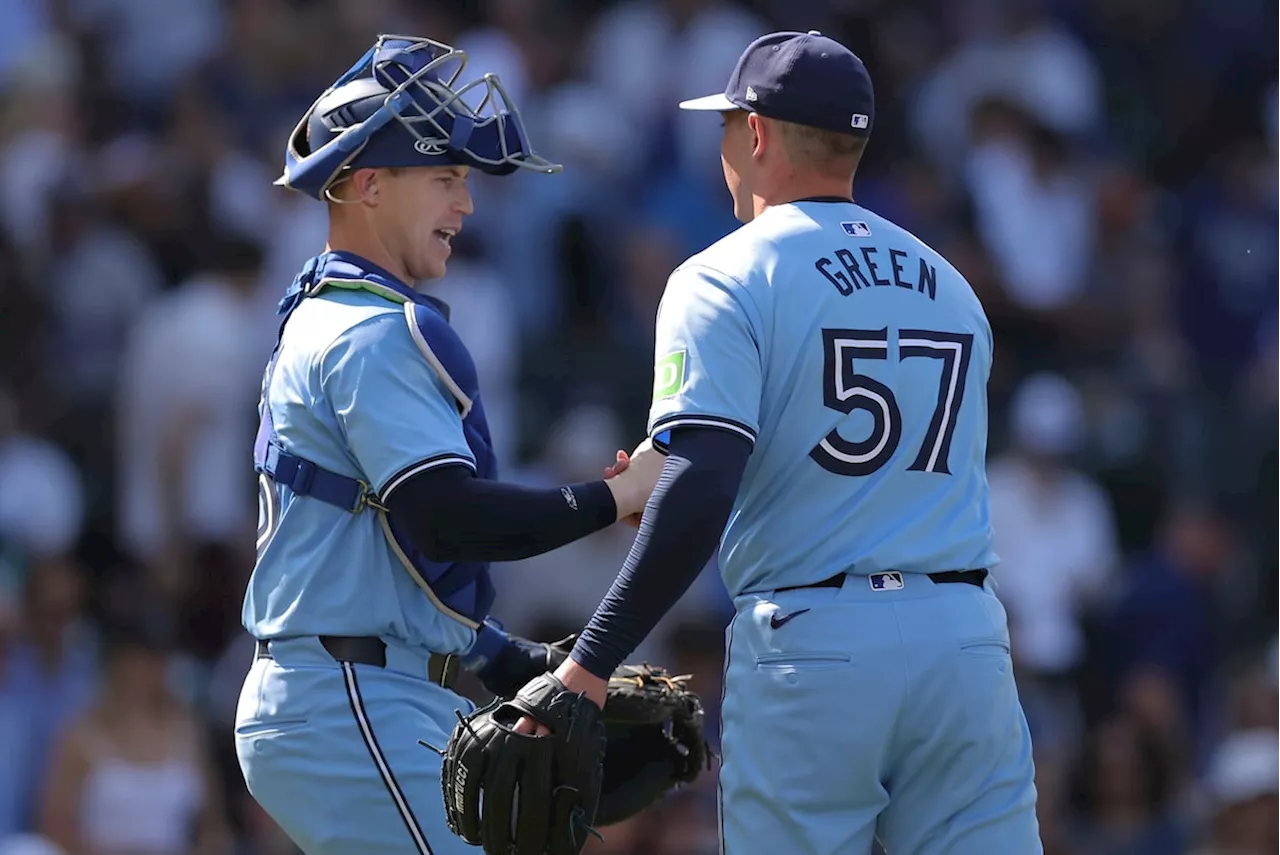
430 147
402 105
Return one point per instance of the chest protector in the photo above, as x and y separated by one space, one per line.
462 590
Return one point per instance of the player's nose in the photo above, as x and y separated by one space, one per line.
464 204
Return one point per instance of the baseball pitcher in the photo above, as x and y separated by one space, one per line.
820 387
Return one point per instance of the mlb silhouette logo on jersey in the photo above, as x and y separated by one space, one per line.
856 229
891 581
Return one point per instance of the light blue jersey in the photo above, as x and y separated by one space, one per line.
856 359
353 393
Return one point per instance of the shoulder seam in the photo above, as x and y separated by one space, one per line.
742 286
692 265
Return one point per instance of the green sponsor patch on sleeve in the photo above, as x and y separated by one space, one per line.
668 375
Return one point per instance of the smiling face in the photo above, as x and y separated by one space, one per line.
401 218
419 211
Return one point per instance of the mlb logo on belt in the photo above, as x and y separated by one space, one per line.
891 581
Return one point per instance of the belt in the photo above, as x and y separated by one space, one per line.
971 577
442 669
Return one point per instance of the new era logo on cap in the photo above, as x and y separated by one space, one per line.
751 94
856 229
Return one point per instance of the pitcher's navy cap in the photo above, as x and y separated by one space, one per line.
804 78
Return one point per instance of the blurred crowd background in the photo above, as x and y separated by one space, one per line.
1103 171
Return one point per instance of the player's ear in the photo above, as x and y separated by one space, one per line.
759 134
364 183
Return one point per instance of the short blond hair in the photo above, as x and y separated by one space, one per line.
827 151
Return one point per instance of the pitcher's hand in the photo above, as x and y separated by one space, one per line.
632 478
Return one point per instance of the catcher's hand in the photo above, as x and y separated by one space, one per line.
654 727
521 660
557 775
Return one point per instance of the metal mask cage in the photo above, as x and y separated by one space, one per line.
495 116
449 100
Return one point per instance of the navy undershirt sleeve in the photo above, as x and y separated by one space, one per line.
682 525
450 515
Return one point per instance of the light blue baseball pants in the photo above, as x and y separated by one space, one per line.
889 712
330 750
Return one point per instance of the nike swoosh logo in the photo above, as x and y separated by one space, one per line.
775 622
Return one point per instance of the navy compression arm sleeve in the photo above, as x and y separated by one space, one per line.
682 524
451 515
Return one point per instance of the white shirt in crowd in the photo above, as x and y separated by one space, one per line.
1057 548
196 353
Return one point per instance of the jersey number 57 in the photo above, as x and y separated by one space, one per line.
844 390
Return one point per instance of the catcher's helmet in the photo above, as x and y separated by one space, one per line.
401 105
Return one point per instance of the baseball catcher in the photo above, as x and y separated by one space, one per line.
514 792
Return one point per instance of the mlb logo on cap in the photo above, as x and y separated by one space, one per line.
860 121
856 229
891 581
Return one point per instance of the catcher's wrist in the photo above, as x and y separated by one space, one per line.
489 644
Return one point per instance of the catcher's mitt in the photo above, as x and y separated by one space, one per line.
557 775
654 727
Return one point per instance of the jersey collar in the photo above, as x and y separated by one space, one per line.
341 269
844 199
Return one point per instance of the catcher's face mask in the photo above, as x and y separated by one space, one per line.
402 105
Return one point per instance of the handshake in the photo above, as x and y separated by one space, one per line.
632 478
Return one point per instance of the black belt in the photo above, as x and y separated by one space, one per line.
971 577
442 669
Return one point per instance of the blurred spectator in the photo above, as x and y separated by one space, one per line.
187 410
39 135
1163 636
46 678
495 46
1244 796
1229 297
41 497
132 776
101 276
149 48
1055 535
1033 206
596 350
28 844
1014 51
1129 794
689 46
